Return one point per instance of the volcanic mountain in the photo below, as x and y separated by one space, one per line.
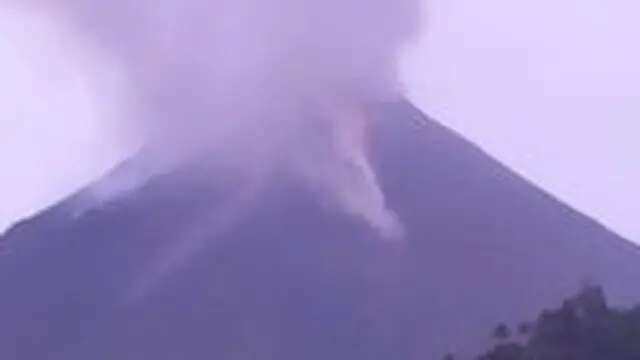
289 278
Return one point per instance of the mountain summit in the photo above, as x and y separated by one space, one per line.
194 266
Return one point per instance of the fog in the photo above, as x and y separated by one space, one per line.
549 88
256 84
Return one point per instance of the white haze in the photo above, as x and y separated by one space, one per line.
253 82
551 88
507 74
56 106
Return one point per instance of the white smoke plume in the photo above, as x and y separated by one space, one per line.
252 80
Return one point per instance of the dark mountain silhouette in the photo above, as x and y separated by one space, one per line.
293 279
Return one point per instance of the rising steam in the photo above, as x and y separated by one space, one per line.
251 81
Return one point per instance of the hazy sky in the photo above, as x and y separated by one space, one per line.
552 88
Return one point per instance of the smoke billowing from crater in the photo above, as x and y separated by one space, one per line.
251 81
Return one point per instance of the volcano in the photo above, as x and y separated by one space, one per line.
289 278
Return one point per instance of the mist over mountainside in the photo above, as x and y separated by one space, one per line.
194 266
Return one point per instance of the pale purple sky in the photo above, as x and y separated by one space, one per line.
551 88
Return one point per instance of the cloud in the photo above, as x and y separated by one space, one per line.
251 81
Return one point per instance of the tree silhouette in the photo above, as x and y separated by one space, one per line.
525 329
449 357
583 328
501 332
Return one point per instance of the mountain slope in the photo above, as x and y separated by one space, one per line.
289 278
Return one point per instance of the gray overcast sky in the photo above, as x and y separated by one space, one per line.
552 88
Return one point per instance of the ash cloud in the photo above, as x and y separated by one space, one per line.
252 81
